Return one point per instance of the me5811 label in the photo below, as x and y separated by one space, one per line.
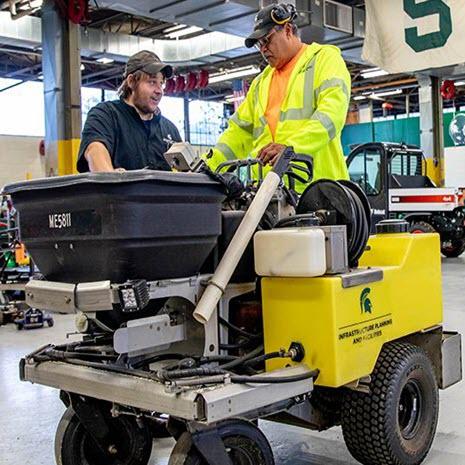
59 220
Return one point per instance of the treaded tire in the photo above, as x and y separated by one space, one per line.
420 227
377 427
329 402
245 443
74 446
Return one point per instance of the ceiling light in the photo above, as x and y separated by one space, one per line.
184 32
237 73
360 97
460 83
105 60
83 67
175 27
373 72
376 95
232 99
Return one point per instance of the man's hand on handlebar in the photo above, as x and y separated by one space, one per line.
269 154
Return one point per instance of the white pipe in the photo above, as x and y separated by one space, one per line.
235 250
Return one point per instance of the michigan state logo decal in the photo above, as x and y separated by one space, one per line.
365 302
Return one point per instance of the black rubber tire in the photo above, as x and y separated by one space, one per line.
455 249
329 402
245 443
420 227
383 427
74 446
50 323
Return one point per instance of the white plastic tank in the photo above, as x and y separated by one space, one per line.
290 252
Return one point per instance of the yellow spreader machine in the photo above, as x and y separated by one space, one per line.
205 301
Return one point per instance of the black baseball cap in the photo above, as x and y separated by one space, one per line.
148 62
264 23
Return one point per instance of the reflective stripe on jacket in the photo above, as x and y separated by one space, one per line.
312 115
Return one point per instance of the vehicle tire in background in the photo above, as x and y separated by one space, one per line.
453 248
421 227
395 423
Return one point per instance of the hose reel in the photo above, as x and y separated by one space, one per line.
326 202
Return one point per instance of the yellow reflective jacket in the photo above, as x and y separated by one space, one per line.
312 116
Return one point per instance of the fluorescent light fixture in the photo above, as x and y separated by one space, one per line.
184 32
373 72
237 73
176 27
376 95
460 83
105 60
232 99
360 97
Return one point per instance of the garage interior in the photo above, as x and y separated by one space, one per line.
60 58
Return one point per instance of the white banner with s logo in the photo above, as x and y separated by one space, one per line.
412 35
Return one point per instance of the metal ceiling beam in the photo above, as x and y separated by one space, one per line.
26 32
24 70
103 21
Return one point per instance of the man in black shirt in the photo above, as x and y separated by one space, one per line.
130 133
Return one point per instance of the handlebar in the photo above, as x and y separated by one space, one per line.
304 176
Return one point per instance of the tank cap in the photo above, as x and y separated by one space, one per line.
392 226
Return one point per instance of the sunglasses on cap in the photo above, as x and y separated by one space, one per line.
265 41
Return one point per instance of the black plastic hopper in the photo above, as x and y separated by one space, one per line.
119 226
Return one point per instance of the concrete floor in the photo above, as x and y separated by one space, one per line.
29 414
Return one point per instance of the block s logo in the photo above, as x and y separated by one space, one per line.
433 40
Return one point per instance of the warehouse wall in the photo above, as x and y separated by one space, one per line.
397 130
20 159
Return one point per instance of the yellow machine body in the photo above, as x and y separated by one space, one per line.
343 329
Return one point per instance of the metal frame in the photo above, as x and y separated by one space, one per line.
206 405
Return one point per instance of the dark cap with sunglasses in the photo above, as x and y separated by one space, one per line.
269 17
148 62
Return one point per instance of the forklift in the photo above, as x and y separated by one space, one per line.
393 176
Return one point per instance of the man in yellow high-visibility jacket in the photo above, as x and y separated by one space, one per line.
300 100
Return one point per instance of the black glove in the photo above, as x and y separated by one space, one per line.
233 186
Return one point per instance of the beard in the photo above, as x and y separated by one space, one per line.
144 107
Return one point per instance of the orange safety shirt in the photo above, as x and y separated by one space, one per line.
277 92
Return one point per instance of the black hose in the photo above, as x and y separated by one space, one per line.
63 355
239 345
210 375
217 358
239 330
274 379
239 379
264 357
100 366
239 361
166 375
